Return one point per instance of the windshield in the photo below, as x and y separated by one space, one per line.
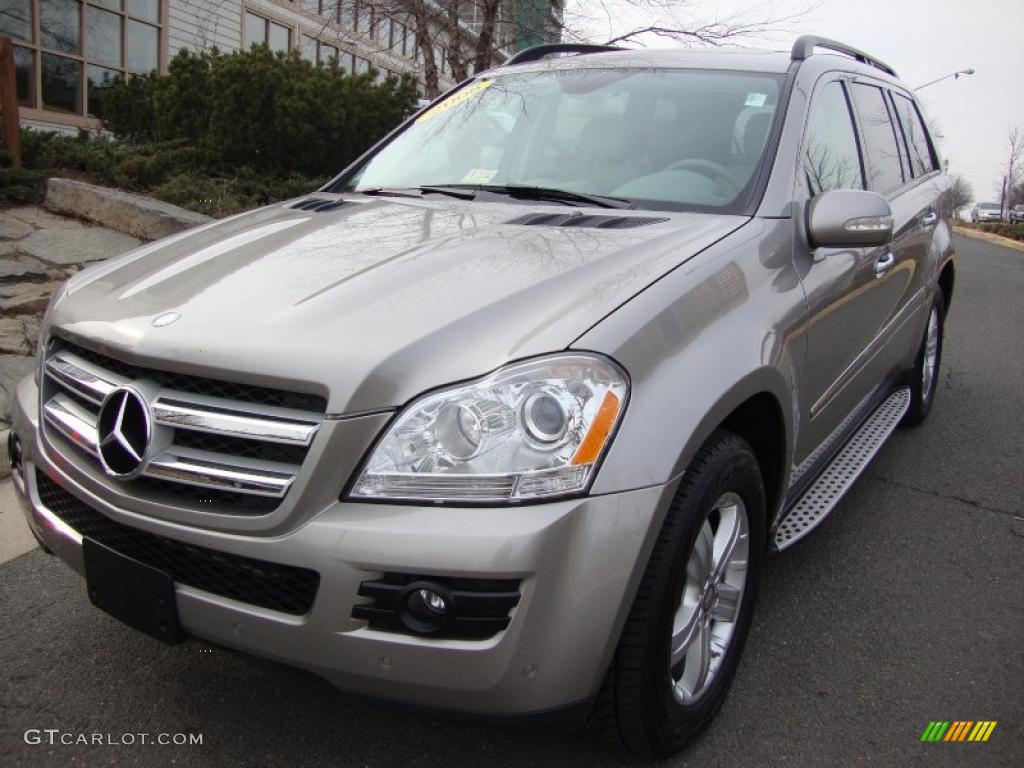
686 139
989 206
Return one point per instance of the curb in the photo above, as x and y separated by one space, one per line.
988 237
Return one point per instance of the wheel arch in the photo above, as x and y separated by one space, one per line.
947 279
759 409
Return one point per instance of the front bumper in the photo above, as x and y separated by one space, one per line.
579 562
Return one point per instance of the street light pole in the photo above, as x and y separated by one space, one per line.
954 75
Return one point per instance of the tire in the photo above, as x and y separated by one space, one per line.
923 386
641 704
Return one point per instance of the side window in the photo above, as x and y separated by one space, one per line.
921 158
880 146
831 158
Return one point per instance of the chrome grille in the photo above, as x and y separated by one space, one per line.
215 444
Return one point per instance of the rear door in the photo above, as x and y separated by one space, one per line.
913 196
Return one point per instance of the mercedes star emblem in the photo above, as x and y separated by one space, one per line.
124 432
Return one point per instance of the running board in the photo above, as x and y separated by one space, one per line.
825 492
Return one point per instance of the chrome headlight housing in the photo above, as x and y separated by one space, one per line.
531 430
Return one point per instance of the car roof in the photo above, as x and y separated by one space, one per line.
674 58
746 60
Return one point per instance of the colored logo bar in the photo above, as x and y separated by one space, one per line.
958 730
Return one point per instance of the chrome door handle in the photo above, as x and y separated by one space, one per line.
929 218
885 262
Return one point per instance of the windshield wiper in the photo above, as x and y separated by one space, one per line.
527 192
387 192
412 192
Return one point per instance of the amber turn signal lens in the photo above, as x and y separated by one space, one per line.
598 433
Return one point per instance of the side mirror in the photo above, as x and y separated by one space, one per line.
849 218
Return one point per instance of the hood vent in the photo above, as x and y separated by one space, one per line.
584 220
317 204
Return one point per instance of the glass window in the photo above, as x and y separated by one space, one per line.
398 37
60 26
144 9
104 36
62 84
921 159
25 76
114 5
255 30
831 159
611 136
362 65
143 47
347 13
384 31
346 62
327 52
280 37
364 19
312 6
100 80
308 48
16 19
880 148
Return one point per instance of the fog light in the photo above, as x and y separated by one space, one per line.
433 601
425 607
14 452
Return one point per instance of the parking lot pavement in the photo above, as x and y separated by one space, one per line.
904 607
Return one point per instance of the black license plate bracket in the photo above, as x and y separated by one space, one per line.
133 592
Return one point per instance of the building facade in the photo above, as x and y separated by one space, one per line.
67 52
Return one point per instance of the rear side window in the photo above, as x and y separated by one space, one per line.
921 159
880 147
831 158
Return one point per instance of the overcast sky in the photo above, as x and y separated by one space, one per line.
922 40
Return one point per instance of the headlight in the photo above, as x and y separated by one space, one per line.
530 430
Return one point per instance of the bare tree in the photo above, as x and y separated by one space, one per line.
1013 170
688 23
960 191
469 33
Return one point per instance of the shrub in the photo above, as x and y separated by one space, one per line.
18 187
222 133
275 113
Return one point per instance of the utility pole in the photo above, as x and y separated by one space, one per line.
1002 200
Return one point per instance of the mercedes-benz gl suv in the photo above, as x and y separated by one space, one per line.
506 418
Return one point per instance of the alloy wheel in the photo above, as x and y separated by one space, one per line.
705 621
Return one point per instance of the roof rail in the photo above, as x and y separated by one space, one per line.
805 45
538 52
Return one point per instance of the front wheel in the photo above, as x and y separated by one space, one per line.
924 378
685 632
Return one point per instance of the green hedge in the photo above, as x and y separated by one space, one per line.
220 133
272 112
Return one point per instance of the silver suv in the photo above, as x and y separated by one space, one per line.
506 418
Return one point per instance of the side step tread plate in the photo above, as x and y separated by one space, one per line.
825 492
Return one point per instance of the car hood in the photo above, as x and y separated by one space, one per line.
372 302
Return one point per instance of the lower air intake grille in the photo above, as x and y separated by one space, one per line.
278 587
479 608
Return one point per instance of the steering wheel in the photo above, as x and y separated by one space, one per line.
709 169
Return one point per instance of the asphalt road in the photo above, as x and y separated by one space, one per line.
906 606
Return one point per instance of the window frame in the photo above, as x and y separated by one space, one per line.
896 130
294 33
36 109
844 85
929 142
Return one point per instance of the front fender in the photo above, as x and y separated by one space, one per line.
723 327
